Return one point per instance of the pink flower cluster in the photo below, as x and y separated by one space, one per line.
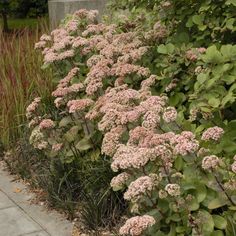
120 180
79 105
136 226
46 124
173 189
32 107
138 188
213 133
210 162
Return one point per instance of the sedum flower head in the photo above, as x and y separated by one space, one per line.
135 226
213 133
210 162
139 187
173 189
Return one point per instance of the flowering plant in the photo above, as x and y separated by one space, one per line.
178 174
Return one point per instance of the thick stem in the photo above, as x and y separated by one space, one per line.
223 189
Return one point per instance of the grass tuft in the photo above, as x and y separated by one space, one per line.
21 79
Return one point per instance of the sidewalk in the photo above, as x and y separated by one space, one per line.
19 218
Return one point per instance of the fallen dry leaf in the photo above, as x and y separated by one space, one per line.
17 190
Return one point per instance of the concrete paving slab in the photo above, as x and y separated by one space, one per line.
51 221
41 233
20 218
13 222
14 190
5 202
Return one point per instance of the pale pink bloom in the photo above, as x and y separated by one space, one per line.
111 140
198 70
130 157
151 119
230 185
193 114
185 143
65 81
94 86
210 162
156 103
147 83
46 124
35 121
66 54
131 116
171 85
173 189
79 105
123 69
63 43
233 167
94 29
32 107
50 57
166 4
72 26
191 55
135 226
45 37
137 135
110 120
169 114
80 42
42 145
162 194
59 34
57 147
58 102
85 14
93 60
40 45
76 87
201 50
213 133
82 13
61 92
120 180
92 15
138 188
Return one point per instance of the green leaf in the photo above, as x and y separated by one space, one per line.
233 2
180 229
214 102
217 233
198 19
193 205
208 225
170 48
216 203
201 192
175 218
65 121
84 144
162 49
230 23
219 221
179 163
72 134
212 55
